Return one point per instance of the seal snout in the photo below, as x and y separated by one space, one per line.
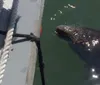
67 32
64 30
63 27
60 30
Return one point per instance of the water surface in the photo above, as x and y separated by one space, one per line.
62 64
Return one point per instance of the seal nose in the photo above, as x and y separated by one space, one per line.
60 29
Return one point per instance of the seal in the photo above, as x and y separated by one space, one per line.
84 41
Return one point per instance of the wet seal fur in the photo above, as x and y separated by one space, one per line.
84 41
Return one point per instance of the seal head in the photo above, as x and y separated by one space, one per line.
79 35
84 41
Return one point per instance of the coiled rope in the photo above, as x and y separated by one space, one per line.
8 40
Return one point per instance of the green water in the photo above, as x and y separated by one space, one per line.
62 65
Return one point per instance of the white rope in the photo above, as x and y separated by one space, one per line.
5 53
